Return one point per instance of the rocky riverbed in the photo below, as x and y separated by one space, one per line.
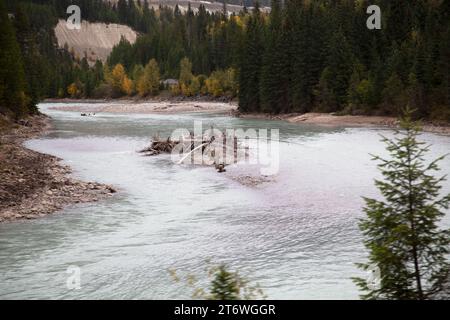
32 184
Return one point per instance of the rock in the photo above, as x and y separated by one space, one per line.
221 168
33 184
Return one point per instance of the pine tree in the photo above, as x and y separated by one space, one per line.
401 231
272 86
251 62
225 285
307 54
393 92
31 57
358 89
340 66
122 8
324 94
12 76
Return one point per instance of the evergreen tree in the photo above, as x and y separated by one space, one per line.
272 86
251 62
393 93
31 57
122 8
225 285
12 76
340 66
358 90
401 232
307 54
324 94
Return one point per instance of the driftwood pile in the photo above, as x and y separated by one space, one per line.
159 146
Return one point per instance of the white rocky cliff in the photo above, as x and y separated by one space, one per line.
95 40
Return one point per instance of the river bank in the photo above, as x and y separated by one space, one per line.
328 119
144 107
33 184
175 105
161 98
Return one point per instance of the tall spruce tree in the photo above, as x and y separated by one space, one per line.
307 56
272 71
251 62
225 285
340 66
402 231
31 57
12 76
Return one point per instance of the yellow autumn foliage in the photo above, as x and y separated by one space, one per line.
119 80
149 81
127 86
73 90
222 83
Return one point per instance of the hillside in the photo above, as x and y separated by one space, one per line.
211 6
233 6
96 40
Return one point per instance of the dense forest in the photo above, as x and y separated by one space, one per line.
319 55
302 56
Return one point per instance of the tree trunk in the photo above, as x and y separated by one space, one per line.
413 230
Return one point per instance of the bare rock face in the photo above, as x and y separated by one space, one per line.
95 40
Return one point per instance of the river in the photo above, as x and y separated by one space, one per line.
296 236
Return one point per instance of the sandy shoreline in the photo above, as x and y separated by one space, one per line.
148 107
32 184
327 119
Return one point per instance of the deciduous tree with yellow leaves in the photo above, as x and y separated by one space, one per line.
222 83
148 83
75 90
119 80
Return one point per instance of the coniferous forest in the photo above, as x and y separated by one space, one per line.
303 56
